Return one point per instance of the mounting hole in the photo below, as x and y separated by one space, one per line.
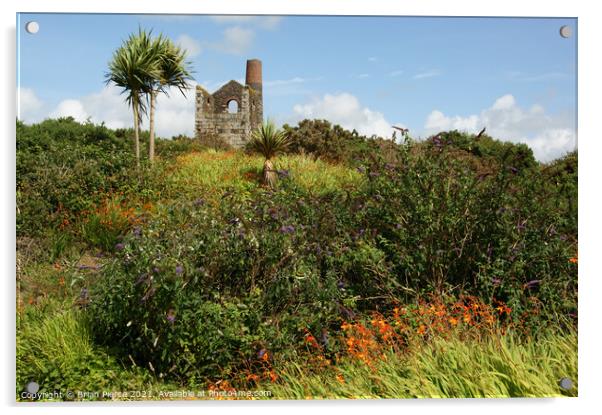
32 27
566 383
566 31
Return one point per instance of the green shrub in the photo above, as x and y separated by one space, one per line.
55 350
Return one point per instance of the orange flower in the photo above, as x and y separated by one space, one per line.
453 321
422 329
573 260
340 378
253 377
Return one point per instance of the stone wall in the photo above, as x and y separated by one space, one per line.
213 119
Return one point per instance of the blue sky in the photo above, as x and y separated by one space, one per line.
515 76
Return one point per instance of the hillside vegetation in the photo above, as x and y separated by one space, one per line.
441 268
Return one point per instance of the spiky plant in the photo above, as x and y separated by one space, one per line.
174 71
269 141
132 68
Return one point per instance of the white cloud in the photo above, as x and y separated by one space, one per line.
427 74
236 40
396 73
549 136
191 45
29 106
70 108
345 109
174 114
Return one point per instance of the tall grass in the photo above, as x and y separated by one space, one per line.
494 367
55 350
209 172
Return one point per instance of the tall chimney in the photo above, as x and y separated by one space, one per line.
254 75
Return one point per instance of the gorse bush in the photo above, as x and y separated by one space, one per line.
320 138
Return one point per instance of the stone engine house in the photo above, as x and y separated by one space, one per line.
234 110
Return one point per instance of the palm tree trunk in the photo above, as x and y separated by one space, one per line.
151 143
136 132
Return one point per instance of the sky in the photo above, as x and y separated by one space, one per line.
515 76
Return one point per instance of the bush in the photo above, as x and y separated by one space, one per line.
55 350
62 168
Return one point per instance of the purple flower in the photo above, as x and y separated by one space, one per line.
287 229
171 316
84 267
149 293
137 231
119 247
514 170
340 284
156 270
521 225
261 353
199 202
273 213
143 277
496 281
361 170
398 226
179 270
532 284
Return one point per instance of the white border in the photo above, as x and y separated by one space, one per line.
590 136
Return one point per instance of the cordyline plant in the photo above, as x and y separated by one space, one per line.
269 141
174 71
133 67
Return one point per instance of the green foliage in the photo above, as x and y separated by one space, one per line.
489 368
321 139
446 227
518 156
224 268
62 168
268 141
54 349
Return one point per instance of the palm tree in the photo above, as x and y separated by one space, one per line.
132 68
173 72
269 141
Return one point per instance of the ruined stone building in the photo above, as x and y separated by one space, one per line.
232 111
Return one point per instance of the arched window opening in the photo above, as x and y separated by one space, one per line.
233 106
